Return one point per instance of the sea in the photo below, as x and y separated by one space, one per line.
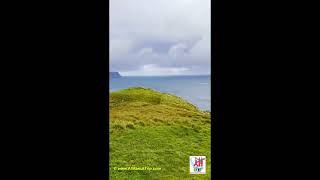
195 89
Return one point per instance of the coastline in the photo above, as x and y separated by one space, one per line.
206 110
149 128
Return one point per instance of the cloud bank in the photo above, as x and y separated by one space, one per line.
160 37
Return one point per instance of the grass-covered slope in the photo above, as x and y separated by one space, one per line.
156 130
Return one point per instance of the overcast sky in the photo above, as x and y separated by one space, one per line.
160 37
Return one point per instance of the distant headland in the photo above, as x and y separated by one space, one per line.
114 74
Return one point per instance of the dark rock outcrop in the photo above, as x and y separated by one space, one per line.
114 74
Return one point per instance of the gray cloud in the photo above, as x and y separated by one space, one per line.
155 37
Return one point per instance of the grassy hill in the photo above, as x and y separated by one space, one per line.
156 130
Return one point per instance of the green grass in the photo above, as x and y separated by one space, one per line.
158 130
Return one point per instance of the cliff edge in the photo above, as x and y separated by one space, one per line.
114 74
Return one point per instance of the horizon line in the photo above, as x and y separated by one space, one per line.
165 75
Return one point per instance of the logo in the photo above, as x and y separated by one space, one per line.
197 164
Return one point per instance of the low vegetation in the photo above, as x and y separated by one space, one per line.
156 130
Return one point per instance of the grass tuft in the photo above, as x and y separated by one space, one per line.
130 126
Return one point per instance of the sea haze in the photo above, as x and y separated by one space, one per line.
195 89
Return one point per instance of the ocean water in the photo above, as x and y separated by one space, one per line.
195 89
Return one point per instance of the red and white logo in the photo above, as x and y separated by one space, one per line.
197 164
